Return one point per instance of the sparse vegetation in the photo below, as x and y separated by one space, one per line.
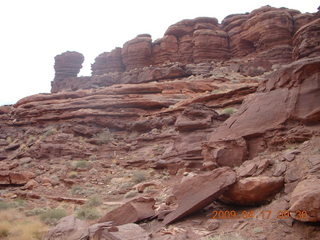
72 174
11 204
81 164
88 211
77 190
52 216
13 226
225 236
36 211
104 136
50 131
229 111
139 176
131 194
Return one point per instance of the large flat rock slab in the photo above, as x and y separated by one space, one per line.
199 191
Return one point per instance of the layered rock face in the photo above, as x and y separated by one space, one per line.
67 65
264 37
108 62
217 115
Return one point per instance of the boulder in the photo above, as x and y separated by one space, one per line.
69 228
199 191
252 190
131 212
305 201
15 178
130 231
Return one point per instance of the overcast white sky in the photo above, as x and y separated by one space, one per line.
34 31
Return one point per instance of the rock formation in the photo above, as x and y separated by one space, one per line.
211 117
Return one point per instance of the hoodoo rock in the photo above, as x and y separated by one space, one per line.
137 52
67 64
108 62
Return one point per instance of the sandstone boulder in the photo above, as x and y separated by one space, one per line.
199 191
131 212
130 231
69 228
252 190
305 201
15 178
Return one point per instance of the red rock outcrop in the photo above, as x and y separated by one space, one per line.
137 52
306 40
263 38
108 62
67 64
264 30
296 86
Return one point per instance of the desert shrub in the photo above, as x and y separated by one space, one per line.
93 201
72 174
77 190
103 137
52 216
81 164
12 204
50 131
131 194
4 229
35 211
87 212
228 111
139 176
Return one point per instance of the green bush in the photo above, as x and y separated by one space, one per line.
88 213
52 216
